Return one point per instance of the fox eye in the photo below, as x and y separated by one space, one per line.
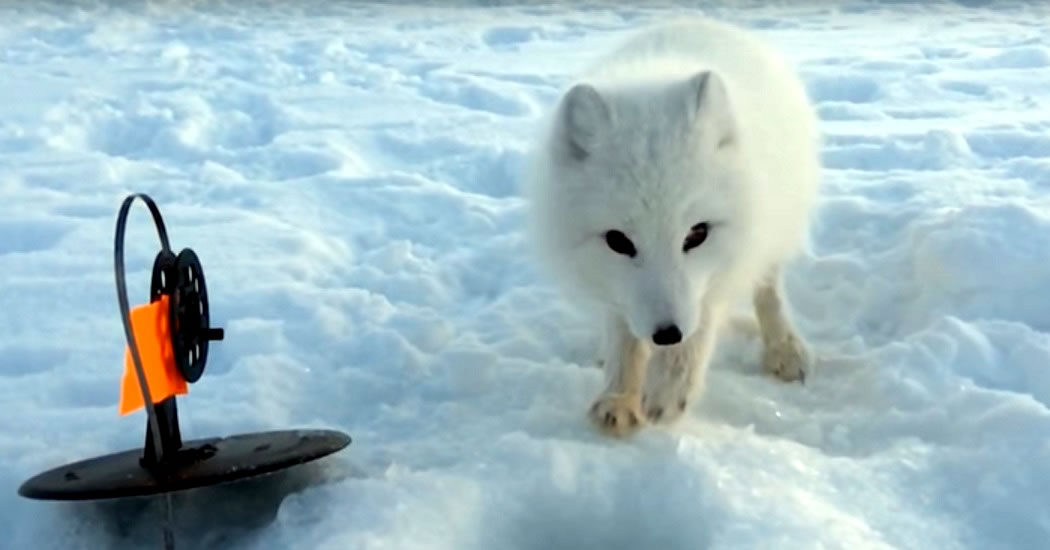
619 243
697 236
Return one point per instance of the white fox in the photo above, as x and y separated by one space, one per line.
674 178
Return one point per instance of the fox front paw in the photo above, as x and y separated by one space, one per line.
664 408
787 359
665 400
617 414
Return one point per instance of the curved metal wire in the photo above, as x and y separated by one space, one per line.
125 315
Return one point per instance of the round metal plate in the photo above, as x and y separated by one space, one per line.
202 462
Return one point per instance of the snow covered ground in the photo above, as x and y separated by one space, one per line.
347 174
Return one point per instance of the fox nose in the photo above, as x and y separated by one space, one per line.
667 335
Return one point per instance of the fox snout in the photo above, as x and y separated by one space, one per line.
662 312
667 335
668 330
661 302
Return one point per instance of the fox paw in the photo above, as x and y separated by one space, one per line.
787 359
665 403
617 414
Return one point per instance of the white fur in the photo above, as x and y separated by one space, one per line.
690 122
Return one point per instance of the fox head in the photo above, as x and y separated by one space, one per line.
640 206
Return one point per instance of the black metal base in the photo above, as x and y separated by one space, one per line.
198 463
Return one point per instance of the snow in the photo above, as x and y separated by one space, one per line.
348 175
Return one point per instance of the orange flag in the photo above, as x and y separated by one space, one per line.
150 324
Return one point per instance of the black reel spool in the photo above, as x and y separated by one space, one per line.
166 463
181 278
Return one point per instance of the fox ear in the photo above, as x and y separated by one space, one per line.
585 118
710 108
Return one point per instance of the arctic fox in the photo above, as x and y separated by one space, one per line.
673 179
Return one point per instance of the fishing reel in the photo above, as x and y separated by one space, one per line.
181 278
165 351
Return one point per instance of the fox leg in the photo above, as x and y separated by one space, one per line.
784 353
676 373
617 411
